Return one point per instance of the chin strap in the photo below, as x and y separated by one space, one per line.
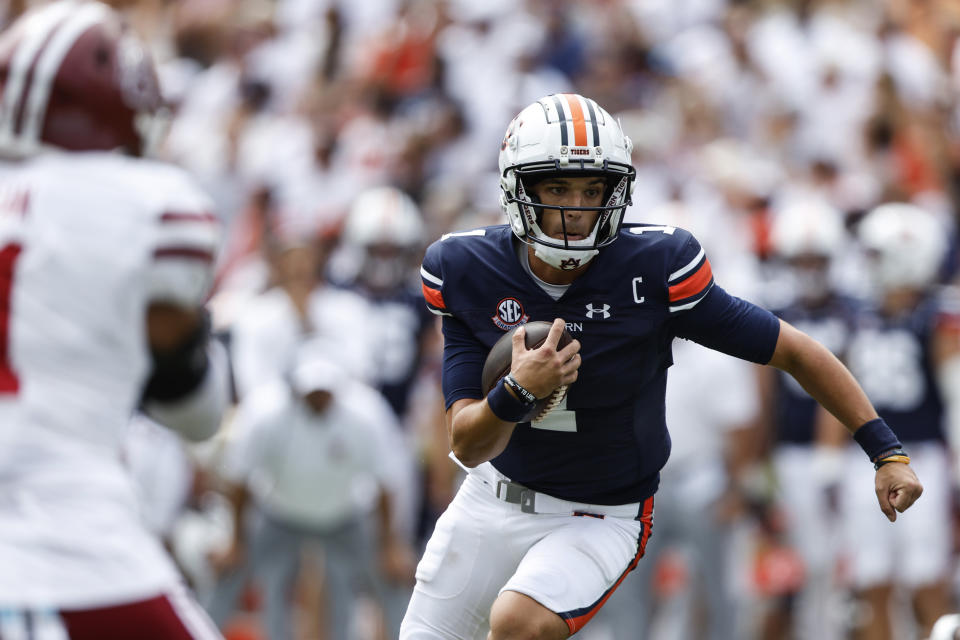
568 259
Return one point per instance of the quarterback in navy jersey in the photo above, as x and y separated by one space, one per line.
553 514
650 286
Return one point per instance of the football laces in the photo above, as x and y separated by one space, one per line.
555 399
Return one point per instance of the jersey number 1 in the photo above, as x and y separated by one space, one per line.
9 382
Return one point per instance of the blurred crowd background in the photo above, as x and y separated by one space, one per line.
338 138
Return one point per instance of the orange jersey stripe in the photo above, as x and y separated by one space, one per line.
692 285
575 624
579 124
434 297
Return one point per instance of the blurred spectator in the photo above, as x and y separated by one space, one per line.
299 307
313 454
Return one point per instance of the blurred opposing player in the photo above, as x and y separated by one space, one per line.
902 352
105 260
807 235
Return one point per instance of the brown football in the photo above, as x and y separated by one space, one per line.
499 359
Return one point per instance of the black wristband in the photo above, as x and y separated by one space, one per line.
505 406
524 395
876 439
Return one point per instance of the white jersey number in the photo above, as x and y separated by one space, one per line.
560 419
888 366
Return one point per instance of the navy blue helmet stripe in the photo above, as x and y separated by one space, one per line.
563 120
593 121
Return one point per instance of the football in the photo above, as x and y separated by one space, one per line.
499 360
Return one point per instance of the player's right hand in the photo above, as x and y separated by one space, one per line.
543 369
897 488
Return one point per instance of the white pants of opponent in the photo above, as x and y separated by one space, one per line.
567 556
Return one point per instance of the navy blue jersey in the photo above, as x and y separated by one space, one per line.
891 357
400 322
830 324
607 443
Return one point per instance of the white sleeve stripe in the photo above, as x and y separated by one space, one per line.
177 234
690 265
439 313
191 615
690 305
429 277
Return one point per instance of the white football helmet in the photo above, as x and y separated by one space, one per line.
571 135
907 245
807 227
384 228
384 215
808 233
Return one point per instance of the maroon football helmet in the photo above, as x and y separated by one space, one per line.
73 77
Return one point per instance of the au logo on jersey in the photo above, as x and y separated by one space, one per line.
509 314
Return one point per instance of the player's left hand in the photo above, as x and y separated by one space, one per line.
897 488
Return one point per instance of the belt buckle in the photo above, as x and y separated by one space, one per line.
514 493
528 501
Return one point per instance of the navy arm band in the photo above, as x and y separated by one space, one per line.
877 440
505 406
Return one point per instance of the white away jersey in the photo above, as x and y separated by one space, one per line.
86 242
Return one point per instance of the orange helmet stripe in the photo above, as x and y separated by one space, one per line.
579 123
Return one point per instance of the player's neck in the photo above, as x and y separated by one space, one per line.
551 274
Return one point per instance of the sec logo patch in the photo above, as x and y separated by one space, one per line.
509 314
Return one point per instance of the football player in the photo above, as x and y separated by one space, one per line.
904 350
382 244
807 234
105 261
383 239
553 514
